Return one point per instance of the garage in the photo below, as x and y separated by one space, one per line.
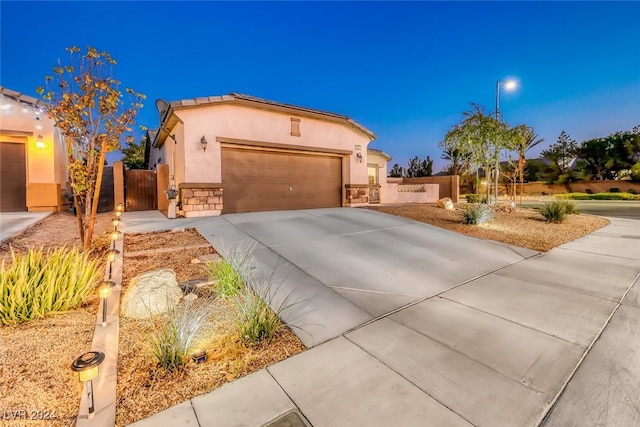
13 177
257 180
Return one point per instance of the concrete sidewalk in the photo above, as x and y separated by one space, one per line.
495 350
14 223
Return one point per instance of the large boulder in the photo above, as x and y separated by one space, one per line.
445 203
151 293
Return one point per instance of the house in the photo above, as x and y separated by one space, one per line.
33 158
239 153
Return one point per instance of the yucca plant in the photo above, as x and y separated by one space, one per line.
178 332
554 211
569 207
38 283
256 321
476 214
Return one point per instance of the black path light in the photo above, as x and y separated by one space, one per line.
115 222
104 291
87 368
112 254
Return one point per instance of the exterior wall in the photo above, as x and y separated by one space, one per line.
392 193
201 199
253 124
449 185
46 166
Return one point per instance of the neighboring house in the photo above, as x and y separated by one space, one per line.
238 153
33 158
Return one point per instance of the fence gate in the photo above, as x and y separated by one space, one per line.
140 190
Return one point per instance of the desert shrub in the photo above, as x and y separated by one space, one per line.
614 190
38 283
632 191
177 333
476 214
569 207
554 211
256 321
228 274
613 196
544 193
475 198
588 191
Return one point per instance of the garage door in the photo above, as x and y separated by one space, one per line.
13 177
256 180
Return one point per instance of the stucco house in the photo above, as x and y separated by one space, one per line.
33 158
239 153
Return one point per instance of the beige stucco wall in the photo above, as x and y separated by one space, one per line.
389 194
45 166
252 124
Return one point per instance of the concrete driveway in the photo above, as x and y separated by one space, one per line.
417 326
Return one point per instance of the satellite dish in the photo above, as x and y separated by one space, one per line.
162 106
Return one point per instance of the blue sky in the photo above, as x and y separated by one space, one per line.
405 70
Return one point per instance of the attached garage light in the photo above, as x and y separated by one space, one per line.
40 142
203 143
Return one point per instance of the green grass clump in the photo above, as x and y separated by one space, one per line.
256 322
476 214
475 198
177 332
598 196
226 280
569 207
39 283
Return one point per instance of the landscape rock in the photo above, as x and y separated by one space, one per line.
445 203
151 293
206 258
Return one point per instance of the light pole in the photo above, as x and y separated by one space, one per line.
507 85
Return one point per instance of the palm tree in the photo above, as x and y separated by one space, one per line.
528 139
457 158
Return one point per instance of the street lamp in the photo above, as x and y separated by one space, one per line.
509 84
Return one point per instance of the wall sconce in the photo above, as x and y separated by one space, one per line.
104 291
203 143
87 367
359 156
40 142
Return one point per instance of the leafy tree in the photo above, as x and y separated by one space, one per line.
87 106
418 168
396 171
134 154
482 136
562 153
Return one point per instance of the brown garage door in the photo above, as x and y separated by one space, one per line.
256 181
13 177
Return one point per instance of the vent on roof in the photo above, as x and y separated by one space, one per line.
162 106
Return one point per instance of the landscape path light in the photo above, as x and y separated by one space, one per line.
104 291
115 222
87 367
120 207
112 254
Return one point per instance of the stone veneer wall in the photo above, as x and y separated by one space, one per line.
356 194
201 199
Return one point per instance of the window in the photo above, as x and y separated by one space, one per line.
295 126
372 172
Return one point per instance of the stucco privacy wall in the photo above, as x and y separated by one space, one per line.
258 125
46 173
